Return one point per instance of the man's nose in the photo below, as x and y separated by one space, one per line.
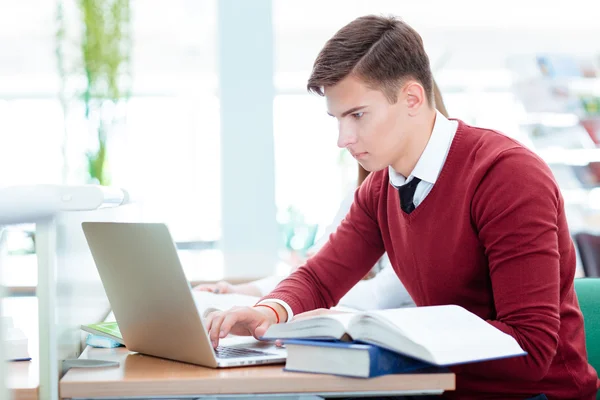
346 137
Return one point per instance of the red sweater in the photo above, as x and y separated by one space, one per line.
491 236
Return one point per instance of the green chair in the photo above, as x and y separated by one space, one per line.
588 294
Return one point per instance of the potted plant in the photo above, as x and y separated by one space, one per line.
93 50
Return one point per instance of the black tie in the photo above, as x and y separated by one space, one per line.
407 192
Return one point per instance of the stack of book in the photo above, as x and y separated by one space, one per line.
369 344
103 334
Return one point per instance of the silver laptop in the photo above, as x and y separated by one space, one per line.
152 299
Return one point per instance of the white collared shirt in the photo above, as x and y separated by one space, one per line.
427 169
432 160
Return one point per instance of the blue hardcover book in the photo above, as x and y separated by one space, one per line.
347 359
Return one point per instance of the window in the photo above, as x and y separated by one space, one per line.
31 135
173 97
170 157
168 149
312 175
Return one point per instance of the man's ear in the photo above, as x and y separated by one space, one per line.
414 95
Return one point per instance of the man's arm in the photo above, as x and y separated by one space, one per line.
516 210
348 255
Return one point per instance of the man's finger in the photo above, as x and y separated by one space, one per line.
208 321
215 329
228 322
261 329
221 287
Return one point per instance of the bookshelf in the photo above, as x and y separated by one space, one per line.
560 95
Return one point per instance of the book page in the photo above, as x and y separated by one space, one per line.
325 326
450 333
342 317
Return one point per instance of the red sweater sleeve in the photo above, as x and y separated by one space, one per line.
350 253
515 210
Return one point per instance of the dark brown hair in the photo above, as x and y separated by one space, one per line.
439 101
382 51
441 107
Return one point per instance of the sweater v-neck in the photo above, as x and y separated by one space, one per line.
441 183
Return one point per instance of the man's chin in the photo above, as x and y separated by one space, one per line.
371 167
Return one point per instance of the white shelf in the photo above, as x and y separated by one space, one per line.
576 85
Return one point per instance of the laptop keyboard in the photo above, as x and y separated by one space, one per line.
237 352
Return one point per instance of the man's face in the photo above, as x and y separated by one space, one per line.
372 129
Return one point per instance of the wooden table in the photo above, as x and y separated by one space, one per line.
145 376
24 376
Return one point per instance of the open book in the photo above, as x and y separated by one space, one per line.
440 335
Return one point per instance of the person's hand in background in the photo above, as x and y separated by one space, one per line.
220 287
224 287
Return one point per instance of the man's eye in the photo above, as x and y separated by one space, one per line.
357 115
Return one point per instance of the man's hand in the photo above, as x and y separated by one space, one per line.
242 321
220 287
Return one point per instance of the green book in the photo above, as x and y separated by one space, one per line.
107 329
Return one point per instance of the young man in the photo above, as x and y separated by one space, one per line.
467 216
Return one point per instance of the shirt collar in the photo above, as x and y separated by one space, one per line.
432 159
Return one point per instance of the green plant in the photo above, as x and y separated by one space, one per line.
101 58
